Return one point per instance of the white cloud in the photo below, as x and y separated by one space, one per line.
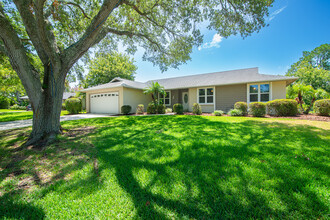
214 43
273 15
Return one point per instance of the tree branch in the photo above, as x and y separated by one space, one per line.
46 36
127 2
30 27
78 6
76 50
131 34
16 52
51 9
144 15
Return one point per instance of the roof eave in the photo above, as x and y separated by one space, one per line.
288 82
121 85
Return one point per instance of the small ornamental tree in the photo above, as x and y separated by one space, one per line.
59 33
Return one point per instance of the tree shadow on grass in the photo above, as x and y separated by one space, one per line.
25 168
208 154
200 167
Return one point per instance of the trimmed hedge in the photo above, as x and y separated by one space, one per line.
126 109
235 112
282 107
218 113
242 106
197 109
257 109
63 106
178 108
17 107
73 105
140 109
151 109
161 109
322 107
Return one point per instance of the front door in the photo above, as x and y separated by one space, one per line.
185 102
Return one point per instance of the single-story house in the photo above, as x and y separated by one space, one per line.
213 91
66 95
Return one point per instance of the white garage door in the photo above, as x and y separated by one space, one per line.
105 103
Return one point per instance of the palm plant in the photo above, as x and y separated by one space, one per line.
305 95
155 89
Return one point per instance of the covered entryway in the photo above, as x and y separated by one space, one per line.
105 103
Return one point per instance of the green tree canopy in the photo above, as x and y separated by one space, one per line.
313 68
105 67
10 84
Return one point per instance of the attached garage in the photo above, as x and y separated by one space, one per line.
104 103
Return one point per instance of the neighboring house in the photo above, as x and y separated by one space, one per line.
66 95
213 91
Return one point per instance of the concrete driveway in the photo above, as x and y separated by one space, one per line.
25 123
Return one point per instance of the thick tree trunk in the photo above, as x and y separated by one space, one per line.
46 114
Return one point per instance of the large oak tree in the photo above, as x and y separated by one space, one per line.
60 32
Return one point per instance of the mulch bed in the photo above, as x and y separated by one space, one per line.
311 117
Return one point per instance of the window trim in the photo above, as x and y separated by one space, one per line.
205 88
259 92
169 97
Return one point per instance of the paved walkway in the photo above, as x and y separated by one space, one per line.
25 123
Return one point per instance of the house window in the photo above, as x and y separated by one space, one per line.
165 100
205 96
259 93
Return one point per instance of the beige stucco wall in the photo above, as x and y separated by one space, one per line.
227 96
174 97
192 97
134 97
119 90
278 90
192 93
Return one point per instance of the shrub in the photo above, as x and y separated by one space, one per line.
178 108
151 109
282 107
241 106
235 112
63 106
73 105
161 109
17 107
322 107
4 102
218 112
140 109
257 109
168 110
126 109
197 110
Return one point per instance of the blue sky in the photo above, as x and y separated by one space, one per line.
294 26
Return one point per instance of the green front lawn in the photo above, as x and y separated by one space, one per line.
14 115
168 167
